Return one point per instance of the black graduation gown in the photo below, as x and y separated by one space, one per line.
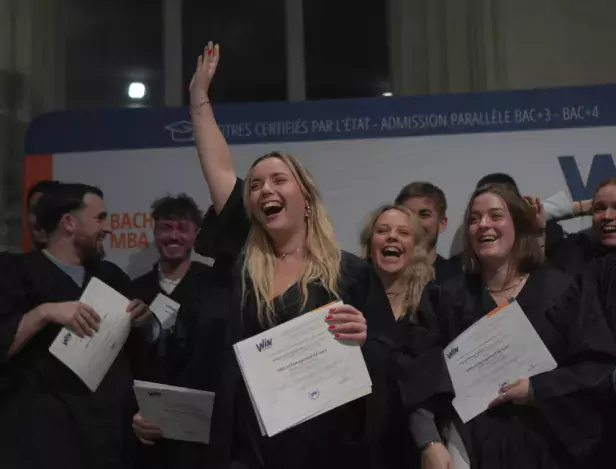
444 269
601 274
417 378
161 363
573 253
343 438
165 360
9 321
562 428
48 417
420 374
599 280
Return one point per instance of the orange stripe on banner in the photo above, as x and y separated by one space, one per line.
498 308
36 168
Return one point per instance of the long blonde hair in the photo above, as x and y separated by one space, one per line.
419 272
322 252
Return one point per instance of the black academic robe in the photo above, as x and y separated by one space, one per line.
444 269
417 378
200 330
48 417
573 253
161 362
599 280
602 272
346 437
562 428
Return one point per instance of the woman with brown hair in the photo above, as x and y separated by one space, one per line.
553 419
287 262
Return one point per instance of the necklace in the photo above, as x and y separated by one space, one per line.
520 280
283 255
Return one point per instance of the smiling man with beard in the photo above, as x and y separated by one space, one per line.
48 417
174 277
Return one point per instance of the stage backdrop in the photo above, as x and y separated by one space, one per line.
361 152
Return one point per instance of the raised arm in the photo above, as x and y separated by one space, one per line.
214 153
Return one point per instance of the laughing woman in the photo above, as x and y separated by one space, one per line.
552 420
392 239
287 262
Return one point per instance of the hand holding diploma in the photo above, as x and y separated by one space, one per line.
517 392
139 312
74 315
146 431
297 370
481 361
347 323
172 412
91 356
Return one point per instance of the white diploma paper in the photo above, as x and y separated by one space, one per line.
298 370
165 309
499 348
91 357
181 413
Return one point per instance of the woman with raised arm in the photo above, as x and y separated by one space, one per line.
286 262
552 420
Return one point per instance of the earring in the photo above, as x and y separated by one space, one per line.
308 210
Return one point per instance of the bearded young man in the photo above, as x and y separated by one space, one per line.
48 417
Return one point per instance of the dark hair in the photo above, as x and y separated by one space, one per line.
424 189
527 253
499 178
65 198
180 207
41 187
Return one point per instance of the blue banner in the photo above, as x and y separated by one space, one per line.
110 129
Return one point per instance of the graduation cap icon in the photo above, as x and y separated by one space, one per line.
181 131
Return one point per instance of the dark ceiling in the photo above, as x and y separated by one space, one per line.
113 42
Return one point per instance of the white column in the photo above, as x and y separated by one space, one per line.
294 26
172 52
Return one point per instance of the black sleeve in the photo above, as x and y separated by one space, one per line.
422 373
574 397
362 289
207 341
554 234
11 296
223 235
567 253
601 274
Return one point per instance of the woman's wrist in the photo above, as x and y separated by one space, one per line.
194 108
429 445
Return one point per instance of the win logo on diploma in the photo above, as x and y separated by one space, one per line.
67 337
265 343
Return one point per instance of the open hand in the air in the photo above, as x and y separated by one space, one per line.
206 68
